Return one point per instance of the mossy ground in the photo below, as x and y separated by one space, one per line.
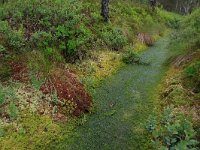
122 105
35 131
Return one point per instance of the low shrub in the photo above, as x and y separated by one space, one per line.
9 110
5 71
187 37
192 74
172 20
10 39
52 26
13 110
193 70
114 38
171 131
2 132
129 57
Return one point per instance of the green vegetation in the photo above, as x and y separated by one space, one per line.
122 104
172 131
55 57
130 57
181 89
185 45
187 35
37 130
192 73
50 32
44 28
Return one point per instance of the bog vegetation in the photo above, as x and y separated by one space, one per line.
54 53
180 91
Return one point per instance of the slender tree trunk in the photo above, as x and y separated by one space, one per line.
105 9
177 4
153 4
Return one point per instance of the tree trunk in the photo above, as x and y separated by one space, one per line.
153 4
177 4
105 10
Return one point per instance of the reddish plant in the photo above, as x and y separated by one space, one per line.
19 71
68 88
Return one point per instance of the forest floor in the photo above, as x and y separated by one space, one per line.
123 103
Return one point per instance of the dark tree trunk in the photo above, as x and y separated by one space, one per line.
105 9
153 4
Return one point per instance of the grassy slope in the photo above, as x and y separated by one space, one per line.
184 72
180 87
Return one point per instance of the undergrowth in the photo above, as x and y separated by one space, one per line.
171 131
181 89
45 45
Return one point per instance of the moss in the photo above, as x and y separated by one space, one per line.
101 65
32 132
139 47
108 63
172 91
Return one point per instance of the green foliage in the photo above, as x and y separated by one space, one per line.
186 40
45 28
192 21
190 30
36 83
193 70
187 36
151 123
70 27
52 25
192 74
11 39
170 19
6 94
171 131
37 62
2 95
174 23
43 40
7 97
114 38
4 65
13 110
2 132
2 48
4 71
82 120
130 57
